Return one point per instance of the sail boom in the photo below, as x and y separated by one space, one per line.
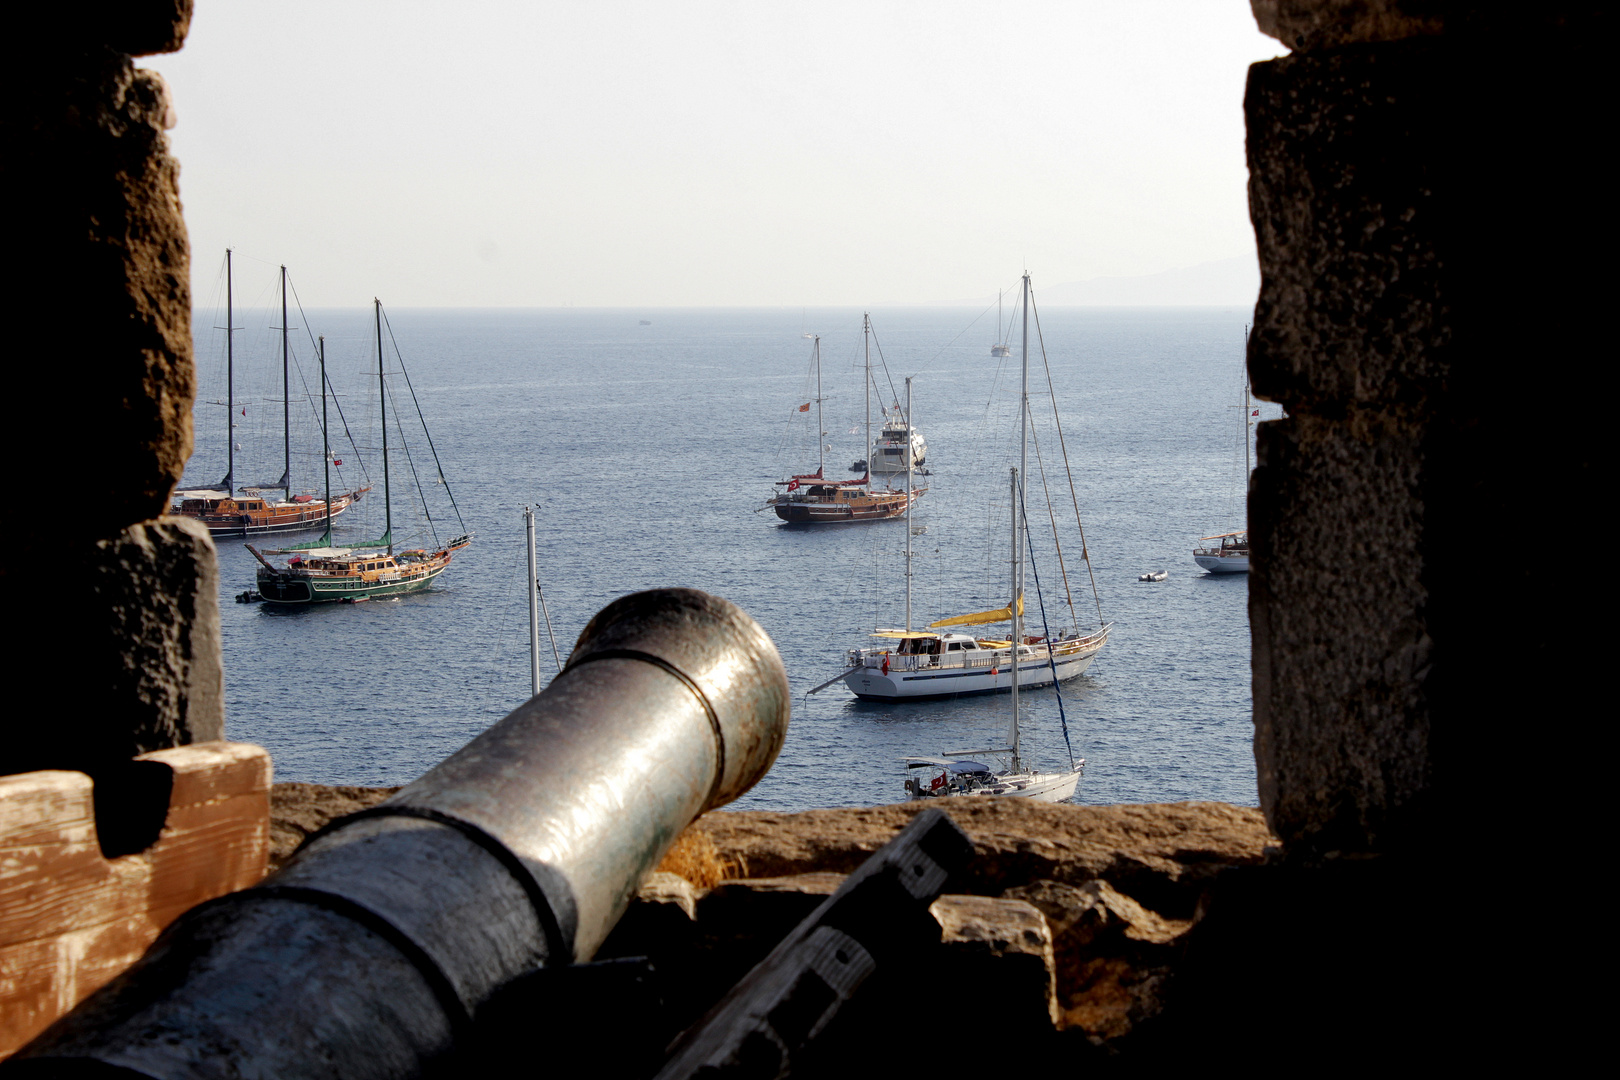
981 618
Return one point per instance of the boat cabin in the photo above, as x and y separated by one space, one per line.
951 777
220 504
338 561
926 644
1232 543
831 491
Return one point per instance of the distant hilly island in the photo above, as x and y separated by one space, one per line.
1223 283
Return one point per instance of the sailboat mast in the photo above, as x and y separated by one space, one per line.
821 432
1017 627
1023 421
1245 417
866 337
230 384
534 613
326 444
286 398
1020 482
382 409
908 505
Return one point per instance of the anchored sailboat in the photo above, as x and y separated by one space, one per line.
250 513
810 498
959 774
1000 347
321 572
939 662
1230 552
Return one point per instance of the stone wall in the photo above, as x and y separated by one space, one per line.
112 606
1424 184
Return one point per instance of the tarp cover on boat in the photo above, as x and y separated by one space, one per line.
982 617
970 767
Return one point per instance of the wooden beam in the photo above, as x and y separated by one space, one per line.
71 919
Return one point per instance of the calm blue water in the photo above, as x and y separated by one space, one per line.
647 450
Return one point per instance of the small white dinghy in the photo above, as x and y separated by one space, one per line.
1154 576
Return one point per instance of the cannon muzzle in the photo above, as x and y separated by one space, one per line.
370 953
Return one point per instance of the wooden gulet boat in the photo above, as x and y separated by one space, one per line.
321 572
810 498
224 510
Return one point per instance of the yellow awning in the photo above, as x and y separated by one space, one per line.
903 634
980 618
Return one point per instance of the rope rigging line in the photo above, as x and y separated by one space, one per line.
1063 568
895 394
1085 550
315 413
358 456
390 399
428 434
941 351
1051 660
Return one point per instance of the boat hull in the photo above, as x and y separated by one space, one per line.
1223 564
1037 787
294 590
872 683
886 457
831 513
277 519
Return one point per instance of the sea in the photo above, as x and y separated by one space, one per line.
648 441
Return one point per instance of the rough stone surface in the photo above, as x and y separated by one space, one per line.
1160 853
299 809
146 673
1002 947
1423 209
1113 957
107 258
137 27
1315 24
97 265
1118 886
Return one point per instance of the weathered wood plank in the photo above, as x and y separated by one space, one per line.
70 919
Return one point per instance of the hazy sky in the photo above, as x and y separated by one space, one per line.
638 154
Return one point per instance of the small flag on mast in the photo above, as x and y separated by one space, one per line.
805 407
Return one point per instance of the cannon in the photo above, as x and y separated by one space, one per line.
371 953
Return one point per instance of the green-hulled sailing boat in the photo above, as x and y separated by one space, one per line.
321 571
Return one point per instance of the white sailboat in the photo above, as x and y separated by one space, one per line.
938 662
1000 347
1229 552
960 775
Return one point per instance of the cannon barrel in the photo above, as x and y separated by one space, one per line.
370 953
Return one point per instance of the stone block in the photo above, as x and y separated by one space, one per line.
1342 649
100 262
1113 957
136 27
1316 24
1001 949
129 634
1346 199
